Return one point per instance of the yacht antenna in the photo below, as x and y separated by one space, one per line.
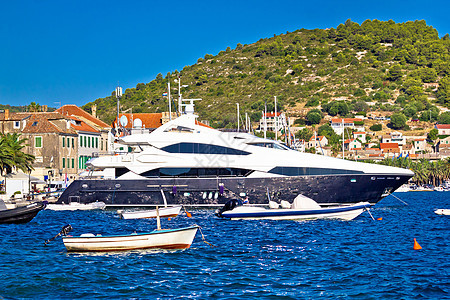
180 110
189 107
118 96
246 122
276 126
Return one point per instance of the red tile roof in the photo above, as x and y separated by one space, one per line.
346 120
272 114
149 120
73 110
79 125
443 126
388 145
318 138
45 123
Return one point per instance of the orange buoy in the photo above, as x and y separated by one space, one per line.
169 219
379 219
416 245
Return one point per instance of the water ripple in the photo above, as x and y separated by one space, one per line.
362 259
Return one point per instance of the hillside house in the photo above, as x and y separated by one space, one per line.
443 129
271 120
339 125
317 141
419 145
360 135
352 145
394 137
389 149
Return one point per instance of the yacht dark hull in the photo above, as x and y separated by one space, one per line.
325 189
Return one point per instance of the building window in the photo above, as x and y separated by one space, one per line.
64 141
16 124
73 163
73 142
64 162
85 144
101 144
96 142
38 141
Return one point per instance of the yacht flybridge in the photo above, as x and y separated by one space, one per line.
185 162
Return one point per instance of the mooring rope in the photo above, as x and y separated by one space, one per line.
203 238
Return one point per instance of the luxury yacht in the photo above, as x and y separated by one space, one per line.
185 162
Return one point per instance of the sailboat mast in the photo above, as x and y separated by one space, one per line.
170 105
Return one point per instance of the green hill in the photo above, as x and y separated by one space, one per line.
375 66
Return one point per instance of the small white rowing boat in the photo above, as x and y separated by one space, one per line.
303 208
164 212
77 206
180 238
445 212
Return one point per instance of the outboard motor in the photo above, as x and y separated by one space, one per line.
229 205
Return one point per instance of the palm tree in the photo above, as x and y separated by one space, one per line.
20 160
34 107
11 154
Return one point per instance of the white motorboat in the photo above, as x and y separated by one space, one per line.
164 212
180 238
303 208
77 206
441 211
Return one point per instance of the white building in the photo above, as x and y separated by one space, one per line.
339 125
270 119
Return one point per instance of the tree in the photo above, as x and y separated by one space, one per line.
376 127
398 121
394 73
314 116
304 134
444 118
433 134
19 159
34 107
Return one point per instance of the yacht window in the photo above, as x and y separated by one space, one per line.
196 148
197 172
179 129
303 171
270 145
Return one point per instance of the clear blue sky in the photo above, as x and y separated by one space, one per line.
73 52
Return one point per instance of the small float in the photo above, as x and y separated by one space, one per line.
441 211
20 215
164 212
303 208
77 206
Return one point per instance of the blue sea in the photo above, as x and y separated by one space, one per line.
362 259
